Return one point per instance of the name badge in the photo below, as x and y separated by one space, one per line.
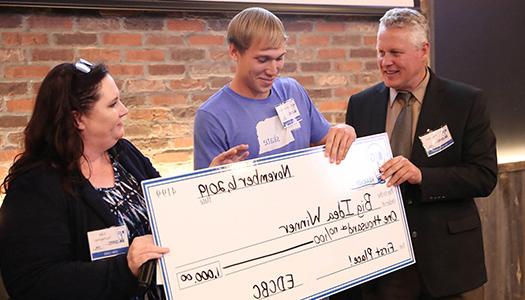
289 114
108 242
437 140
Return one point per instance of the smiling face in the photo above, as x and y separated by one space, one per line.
402 63
101 127
257 68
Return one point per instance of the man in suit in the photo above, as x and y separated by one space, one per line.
444 156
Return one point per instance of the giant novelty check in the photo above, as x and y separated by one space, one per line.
287 226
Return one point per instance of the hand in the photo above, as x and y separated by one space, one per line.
338 141
141 250
234 154
400 170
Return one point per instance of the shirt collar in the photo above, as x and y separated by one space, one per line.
418 92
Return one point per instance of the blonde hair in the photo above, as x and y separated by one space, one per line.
407 18
255 24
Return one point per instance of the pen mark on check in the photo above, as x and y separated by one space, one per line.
268 255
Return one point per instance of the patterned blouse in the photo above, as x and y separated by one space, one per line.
126 202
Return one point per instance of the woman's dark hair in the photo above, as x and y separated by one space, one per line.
51 137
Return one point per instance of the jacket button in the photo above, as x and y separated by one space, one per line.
409 202
414 234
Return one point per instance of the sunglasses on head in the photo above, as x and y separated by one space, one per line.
83 66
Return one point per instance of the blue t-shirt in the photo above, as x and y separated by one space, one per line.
228 119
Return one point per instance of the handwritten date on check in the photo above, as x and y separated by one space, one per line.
287 226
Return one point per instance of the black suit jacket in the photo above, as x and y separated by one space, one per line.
44 251
442 216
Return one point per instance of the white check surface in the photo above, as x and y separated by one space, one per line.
289 226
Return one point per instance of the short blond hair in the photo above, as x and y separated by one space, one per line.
407 18
255 24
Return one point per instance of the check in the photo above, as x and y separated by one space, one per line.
287 226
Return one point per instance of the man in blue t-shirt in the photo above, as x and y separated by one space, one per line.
259 113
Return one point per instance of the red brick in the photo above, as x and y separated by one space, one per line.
331 53
198 98
50 21
8 155
166 69
11 55
333 105
291 40
168 99
363 52
28 71
300 54
8 89
163 39
289 68
349 40
218 82
184 113
145 86
218 25
131 100
99 55
16 138
306 81
370 40
35 86
145 55
314 40
122 39
187 54
315 67
331 80
138 130
296 26
75 38
330 27
20 105
12 121
219 54
126 70
210 68
24 38
10 21
348 66
172 156
183 142
320 93
52 54
186 25
188 84
346 92
150 114
371 66
144 24
97 24
206 39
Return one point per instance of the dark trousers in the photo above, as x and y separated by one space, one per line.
404 284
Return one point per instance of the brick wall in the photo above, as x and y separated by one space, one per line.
166 65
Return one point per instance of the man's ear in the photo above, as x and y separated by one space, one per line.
233 52
79 123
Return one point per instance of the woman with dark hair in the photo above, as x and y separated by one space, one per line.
76 176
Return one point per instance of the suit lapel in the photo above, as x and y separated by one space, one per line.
95 201
381 103
430 117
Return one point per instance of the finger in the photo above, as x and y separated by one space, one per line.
336 145
329 142
344 150
397 177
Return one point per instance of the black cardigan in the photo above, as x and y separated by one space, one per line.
44 252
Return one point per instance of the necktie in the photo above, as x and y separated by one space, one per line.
401 139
